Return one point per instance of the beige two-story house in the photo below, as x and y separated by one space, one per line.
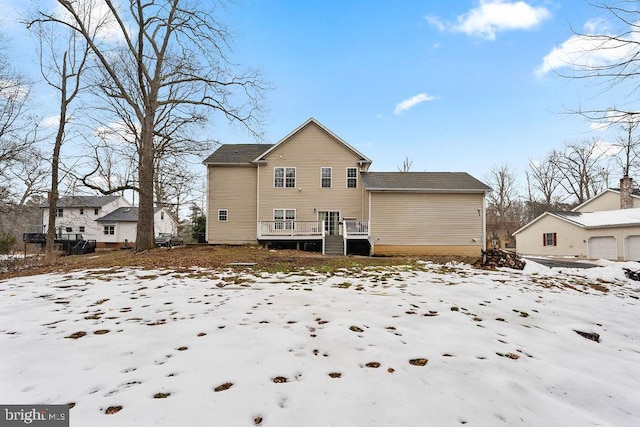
314 190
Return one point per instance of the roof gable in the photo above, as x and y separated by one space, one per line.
423 181
361 157
605 193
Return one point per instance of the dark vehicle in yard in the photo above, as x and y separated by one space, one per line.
168 240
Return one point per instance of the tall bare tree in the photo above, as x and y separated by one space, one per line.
164 53
629 144
15 124
501 221
583 168
63 59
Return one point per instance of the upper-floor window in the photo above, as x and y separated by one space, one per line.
81 229
59 213
352 177
284 177
223 215
162 215
95 211
81 211
549 239
325 177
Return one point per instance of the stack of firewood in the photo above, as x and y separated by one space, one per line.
500 258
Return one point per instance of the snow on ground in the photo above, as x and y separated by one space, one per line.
234 348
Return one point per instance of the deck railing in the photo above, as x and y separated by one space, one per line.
355 228
293 229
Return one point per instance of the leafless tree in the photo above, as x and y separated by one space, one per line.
406 165
583 168
163 53
629 145
610 57
15 123
501 221
63 55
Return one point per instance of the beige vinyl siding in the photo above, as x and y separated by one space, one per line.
571 239
607 201
233 189
308 151
422 219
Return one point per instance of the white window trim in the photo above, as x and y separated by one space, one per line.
284 176
226 215
354 178
330 177
284 219
107 228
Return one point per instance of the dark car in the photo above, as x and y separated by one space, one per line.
168 240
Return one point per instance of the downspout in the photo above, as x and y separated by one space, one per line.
484 222
208 217
371 242
258 203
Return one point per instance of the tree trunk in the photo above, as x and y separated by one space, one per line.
145 235
55 161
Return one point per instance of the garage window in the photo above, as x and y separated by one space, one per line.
549 239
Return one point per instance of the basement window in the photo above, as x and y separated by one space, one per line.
549 239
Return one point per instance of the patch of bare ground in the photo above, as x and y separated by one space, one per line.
212 257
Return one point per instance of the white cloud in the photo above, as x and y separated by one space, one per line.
412 102
99 17
606 148
494 16
595 48
50 121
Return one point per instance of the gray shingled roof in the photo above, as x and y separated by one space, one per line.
83 201
125 214
422 181
236 154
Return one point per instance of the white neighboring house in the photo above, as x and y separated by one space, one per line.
109 220
78 214
119 227
607 226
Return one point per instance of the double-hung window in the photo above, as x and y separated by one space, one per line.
223 215
284 177
352 177
59 213
549 239
325 177
109 230
284 218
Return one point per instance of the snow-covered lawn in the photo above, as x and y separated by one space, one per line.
439 345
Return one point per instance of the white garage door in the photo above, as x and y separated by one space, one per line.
633 248
603 248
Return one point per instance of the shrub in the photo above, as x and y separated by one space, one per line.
7 243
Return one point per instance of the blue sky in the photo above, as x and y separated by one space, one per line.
478 98
453 86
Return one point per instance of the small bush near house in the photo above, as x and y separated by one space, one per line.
7 243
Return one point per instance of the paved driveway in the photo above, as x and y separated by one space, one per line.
559 263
